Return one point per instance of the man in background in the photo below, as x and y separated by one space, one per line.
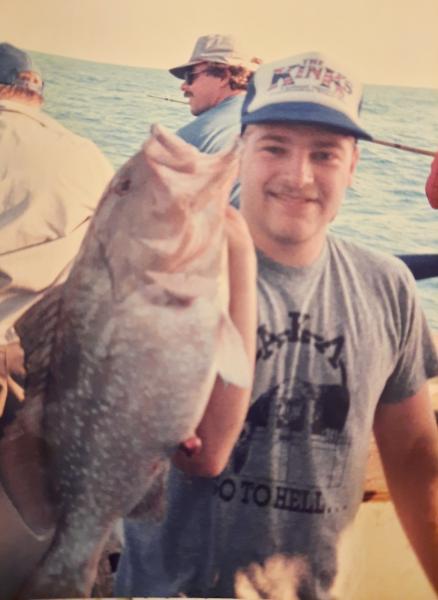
50 183
215 80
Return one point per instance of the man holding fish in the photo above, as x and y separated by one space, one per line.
121 361
343 350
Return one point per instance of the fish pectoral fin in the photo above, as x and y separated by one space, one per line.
184 286
233 363
36 329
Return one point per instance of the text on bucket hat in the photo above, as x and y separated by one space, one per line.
307 88
14 61
216 48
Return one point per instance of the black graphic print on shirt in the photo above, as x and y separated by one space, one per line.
299 423
298 408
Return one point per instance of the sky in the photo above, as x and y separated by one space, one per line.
389 42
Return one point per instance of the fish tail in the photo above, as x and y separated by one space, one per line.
69 568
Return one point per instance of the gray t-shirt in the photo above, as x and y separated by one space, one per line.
334 340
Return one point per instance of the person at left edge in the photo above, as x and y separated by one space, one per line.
342 348
50 183
215 80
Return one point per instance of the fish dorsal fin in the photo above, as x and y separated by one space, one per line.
232 360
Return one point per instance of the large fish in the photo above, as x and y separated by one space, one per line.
122 358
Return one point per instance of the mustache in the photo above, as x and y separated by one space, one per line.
285 190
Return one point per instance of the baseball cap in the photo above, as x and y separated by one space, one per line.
14 61
307 88
216 48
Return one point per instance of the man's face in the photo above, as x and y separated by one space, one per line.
203 90
293 179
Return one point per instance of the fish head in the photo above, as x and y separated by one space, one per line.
166 183
200 184
181 174
165 209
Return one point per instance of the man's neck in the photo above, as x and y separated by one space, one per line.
231 94
31 102
297 255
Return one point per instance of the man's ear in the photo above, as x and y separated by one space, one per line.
225 81
240 145
354 161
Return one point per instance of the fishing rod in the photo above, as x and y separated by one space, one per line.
374 140
403 147
167 98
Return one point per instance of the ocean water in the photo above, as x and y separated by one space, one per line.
385 209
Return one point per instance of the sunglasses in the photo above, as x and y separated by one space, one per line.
191 76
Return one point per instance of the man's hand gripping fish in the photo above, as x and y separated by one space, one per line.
122 358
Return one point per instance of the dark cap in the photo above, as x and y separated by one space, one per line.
14 61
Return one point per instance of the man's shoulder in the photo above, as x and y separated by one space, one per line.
48 125
232 103
31 114
64 150
215 128
358 250
375 264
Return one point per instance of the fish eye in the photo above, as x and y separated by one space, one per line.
122 186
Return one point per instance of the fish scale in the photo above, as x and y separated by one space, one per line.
132 349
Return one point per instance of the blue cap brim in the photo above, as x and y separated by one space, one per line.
304 112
